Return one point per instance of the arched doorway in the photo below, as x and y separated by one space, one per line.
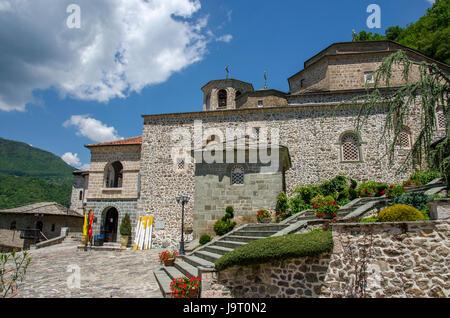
110 225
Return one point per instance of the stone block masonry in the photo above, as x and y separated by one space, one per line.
404 260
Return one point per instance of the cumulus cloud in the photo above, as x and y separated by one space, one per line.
121 47
92 128
71 159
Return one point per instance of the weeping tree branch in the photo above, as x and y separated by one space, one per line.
427 91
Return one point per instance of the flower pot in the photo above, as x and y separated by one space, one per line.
124 241
193 293
169 262
84 240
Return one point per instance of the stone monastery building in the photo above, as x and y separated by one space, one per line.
315 122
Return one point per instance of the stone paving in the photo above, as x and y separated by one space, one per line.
104 274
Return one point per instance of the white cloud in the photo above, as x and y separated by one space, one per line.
71 159
92 128
121 47
225 38
431 1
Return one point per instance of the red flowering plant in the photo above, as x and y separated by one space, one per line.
263 214
164 256
326 208
394 191
367 189
185 287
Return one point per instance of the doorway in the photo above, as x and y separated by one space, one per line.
111 222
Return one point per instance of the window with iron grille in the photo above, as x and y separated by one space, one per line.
441 121
180 164
404 139
237 175
350 148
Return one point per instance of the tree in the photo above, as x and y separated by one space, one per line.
430 92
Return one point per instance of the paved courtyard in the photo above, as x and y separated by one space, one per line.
104 274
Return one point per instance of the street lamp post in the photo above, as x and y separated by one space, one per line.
183 200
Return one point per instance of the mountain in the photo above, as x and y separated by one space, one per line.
30 175
21 159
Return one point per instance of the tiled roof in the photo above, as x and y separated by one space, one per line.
122 142
46 208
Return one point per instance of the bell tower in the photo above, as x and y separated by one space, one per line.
222 94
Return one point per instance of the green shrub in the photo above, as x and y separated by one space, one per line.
400 213
296 205
381 189
307 193
125 226
422 178
204 239
419 200
222 227
371 219
277 248
333 187
282 203
230 211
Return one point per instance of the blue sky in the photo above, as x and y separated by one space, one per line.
52 110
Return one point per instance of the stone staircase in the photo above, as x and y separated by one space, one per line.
205 256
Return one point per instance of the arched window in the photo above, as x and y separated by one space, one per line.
237 175
440 117
114 175
238 94
80 197
13 226
222 98
404 138
350 147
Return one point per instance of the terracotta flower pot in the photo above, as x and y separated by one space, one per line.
193 293
169 262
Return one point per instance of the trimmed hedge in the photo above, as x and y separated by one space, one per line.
277 248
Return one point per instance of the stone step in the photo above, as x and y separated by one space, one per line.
218 249
163 280
255 233
238 238
209 256
229 244
197 261
173 272
264 227
186 268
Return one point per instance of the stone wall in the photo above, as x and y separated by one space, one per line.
79 189
409 259
312 135
129 156
214 192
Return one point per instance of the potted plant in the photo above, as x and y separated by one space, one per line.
125 231
264 216
367 189
168 257
186 287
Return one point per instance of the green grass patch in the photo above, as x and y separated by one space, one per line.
277 248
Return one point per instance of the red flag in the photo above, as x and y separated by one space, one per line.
91 219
